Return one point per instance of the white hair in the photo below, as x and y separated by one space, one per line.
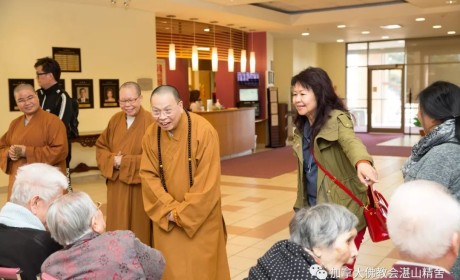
422 218
69 217
37 179
320 225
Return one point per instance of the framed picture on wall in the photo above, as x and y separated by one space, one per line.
12 83
108 92
161 72
82 90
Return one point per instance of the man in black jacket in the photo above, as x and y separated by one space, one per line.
24 241
53 98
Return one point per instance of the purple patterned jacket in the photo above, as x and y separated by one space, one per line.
111 255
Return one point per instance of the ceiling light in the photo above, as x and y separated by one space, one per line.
214 55
252 55
172 47
385 37
365 32
195 59
340 40
243 59
451 1
451 32
207 29
305 34
391 26
437 26
231 57
341 26
420 19
204 49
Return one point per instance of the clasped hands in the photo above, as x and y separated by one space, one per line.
16 152
117 160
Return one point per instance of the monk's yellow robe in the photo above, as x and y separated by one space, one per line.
45 138
125 209
196 248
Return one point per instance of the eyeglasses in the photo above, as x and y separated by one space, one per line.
129 101
24 100
40 74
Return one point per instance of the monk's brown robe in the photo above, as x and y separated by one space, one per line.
45 138
196 249
125 209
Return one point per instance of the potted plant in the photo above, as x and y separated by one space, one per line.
417 123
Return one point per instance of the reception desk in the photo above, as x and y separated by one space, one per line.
236 129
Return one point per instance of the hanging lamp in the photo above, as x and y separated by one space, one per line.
214 57
252 55
231 56
195 61
243 52
172 47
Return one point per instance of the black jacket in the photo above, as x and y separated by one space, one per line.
25 248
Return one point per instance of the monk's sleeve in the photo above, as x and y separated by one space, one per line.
157 202
55 149
129 169
4 148
104 155
204 195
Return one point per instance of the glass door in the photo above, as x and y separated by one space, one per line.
386 99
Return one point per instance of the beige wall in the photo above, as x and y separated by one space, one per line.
115 44
332 58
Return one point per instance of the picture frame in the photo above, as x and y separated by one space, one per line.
161 72
69 59
82 90
108 93
12 83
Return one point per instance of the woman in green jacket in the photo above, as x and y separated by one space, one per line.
323 125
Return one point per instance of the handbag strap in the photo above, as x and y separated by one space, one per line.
336 181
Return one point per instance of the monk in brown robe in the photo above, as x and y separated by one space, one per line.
36 136
182 190
118 156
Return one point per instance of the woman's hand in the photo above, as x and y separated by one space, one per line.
366 173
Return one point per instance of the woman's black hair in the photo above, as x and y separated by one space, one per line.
441 101
317 80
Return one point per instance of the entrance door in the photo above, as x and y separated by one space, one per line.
386 99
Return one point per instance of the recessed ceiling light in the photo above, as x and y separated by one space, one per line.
385 37
341 26
437 26
420 19
203 49
391 26
365 32
451 1
451 32
206 30
340 41
305 34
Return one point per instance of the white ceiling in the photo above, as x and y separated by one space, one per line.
321 23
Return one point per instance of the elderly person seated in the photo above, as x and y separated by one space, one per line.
24 241
424 224
76 222
321 243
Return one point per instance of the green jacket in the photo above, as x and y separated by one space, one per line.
337 149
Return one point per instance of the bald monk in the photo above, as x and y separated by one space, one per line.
118 156
181 169
36 136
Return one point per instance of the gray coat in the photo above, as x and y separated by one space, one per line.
442 165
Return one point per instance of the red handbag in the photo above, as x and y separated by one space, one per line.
375 212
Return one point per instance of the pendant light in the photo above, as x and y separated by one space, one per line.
214 57
243 52
172 48
195 61
252 55
231 56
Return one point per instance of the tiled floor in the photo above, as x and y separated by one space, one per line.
257 213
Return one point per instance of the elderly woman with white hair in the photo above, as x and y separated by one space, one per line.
321 243
424 224
77 223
